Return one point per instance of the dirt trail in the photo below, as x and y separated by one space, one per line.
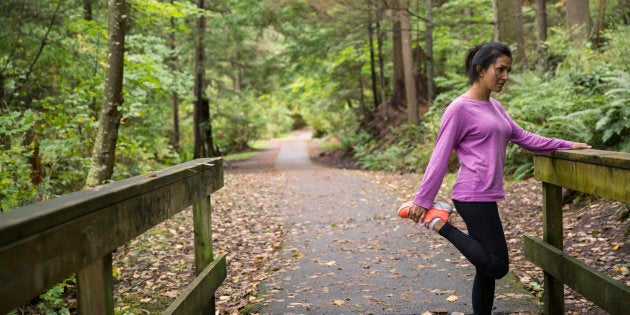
347 252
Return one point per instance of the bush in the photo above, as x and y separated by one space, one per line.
586 99
15 172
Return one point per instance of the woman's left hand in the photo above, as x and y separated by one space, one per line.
580 145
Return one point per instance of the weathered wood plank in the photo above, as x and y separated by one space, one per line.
553 235
194 299
96 225
612 296
95 287
599 157
597 179
29 220
202 223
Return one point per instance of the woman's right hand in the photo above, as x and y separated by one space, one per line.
416 213
580 145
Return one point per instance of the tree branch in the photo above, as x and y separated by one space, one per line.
39 52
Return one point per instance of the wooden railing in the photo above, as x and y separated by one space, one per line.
44 243
602 173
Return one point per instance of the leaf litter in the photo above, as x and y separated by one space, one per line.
151 270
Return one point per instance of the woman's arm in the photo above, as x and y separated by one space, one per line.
451 131
537 143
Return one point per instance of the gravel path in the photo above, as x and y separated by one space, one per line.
346 252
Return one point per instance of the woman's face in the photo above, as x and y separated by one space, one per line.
496 75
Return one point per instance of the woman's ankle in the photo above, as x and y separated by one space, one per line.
438 225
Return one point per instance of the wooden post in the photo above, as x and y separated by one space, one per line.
95 287
552 235
202 223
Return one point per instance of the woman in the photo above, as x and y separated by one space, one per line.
478 128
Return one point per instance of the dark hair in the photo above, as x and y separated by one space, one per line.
483 56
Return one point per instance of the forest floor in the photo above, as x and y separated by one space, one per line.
153 269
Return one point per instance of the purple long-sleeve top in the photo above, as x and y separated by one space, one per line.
479 132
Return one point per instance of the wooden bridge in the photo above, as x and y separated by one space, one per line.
45 243
602 173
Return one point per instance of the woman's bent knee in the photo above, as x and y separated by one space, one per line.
501 270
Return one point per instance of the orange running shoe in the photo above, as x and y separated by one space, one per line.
403 211
440 211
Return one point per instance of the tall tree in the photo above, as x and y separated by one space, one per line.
87 9
375 94
601 23
103 155
174 94
578 20
509 26
398 94
407 56
381 62
429 48
202 126
541 34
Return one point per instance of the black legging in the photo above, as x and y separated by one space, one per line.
484 247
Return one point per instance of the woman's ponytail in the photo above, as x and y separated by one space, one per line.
470 56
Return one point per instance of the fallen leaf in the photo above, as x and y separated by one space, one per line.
171 294
452 298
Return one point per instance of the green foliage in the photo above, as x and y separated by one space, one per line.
243 118
318 101
64 150
393 158
586 99
52 302
401 156
16 188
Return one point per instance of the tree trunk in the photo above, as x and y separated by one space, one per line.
381 66
362 106
206 128
103 155
601 24
429 47
373 66
509 26
35 159
3 101
578 21
409 71
541 35
202 127
399 73
176 132
236 77
174 94
87 9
